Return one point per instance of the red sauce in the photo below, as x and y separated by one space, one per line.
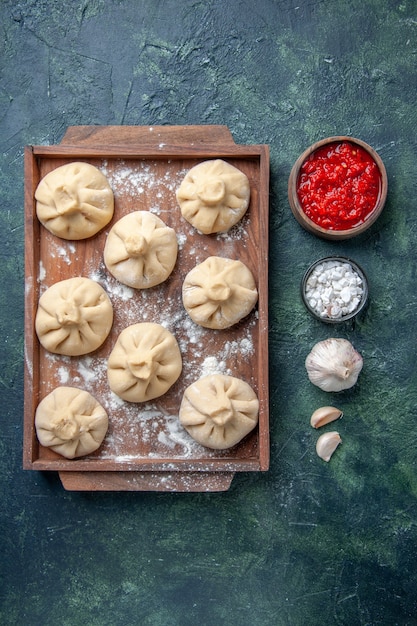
339 185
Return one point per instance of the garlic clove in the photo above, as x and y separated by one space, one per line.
325 415
333 364
327 444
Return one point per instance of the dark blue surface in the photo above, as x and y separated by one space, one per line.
308 543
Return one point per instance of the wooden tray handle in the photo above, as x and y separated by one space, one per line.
103 136
147 481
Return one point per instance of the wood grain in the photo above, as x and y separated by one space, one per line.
146 481
145 167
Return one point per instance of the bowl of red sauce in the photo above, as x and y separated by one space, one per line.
338 187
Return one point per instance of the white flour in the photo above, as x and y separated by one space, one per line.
153 430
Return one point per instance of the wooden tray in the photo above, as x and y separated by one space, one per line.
145 447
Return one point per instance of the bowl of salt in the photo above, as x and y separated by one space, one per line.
334 289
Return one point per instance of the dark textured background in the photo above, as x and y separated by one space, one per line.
308 543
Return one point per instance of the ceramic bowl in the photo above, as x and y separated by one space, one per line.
309 224
314 270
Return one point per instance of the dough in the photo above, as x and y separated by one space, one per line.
140 250
74 201
219 410
144 363
219 292
71 422
214 196
74 317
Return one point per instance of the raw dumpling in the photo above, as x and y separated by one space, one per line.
140 250
214 196
74 317
71 422
74 201
144 363
219 410
219 292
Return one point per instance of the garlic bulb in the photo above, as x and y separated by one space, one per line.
333 365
